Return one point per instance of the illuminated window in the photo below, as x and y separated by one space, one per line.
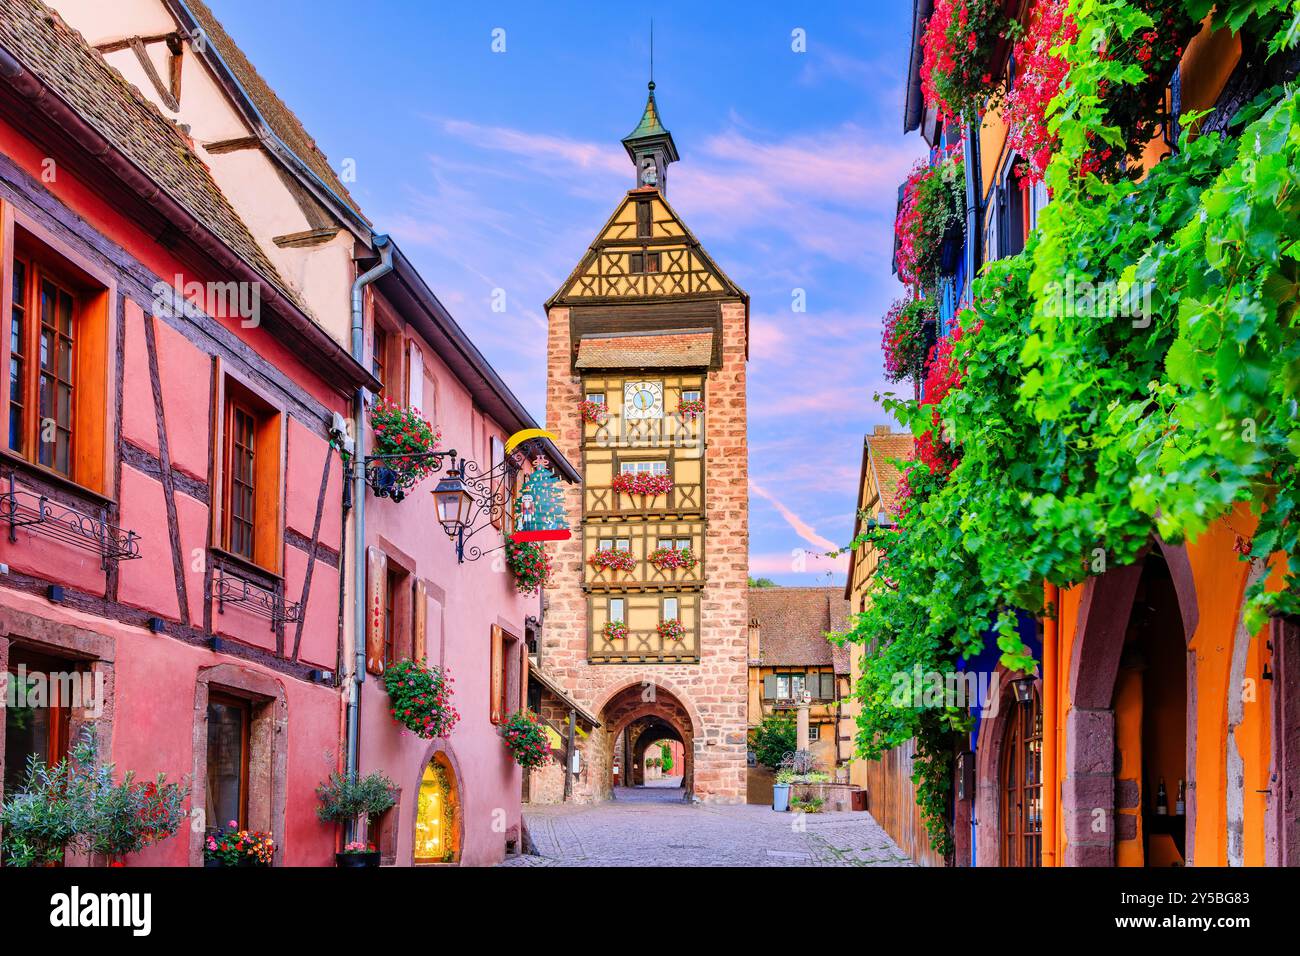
435 837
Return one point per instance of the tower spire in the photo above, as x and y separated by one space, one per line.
650 145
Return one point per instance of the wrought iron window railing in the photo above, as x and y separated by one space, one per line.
229 587
42 515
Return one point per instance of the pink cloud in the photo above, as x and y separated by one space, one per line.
802 528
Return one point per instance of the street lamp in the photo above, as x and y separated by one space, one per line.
1024 689
453 503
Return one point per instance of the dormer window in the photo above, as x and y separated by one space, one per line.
643 262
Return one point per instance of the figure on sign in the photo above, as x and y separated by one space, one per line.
539 509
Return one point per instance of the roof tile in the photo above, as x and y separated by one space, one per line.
659 350
793 623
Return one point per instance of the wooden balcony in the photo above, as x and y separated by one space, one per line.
644 647
684 500
674 430
641 539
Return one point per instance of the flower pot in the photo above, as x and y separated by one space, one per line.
780 797
357 860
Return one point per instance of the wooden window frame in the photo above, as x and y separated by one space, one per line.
644 219
609 609
94 317
269 465
245 707
663 608
58 736
388 348
640 263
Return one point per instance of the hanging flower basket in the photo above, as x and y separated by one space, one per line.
615 631
956 55
666 559
613 559
642 483
400 431
671 629
904 340
525 739
420 698
691 410
933 209
594 413
1039 77
529 563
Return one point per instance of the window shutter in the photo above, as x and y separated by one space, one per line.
419 620
496 693
497 459
523 678
376 579
769 687
415 377
828 686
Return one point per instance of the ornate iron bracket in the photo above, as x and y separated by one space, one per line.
42 515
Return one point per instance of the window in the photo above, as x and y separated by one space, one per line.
789 686
379 358
670 610
57 416
249 514
596 398
241 484
1022 785
614 544
814 732
641 262
643 223
647 467
392 590
36 718
617 609
435 814
229 721
676 544
691 395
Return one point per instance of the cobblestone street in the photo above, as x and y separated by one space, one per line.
652 827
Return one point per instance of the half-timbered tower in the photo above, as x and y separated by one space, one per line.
646 621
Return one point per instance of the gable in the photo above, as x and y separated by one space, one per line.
606 271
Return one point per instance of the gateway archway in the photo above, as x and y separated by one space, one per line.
637 718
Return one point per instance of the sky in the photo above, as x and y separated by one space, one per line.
494 171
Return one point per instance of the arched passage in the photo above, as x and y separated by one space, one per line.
1132 687
637 716
438 818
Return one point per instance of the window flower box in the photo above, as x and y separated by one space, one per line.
645 484
420 698
667 559
594 413
615 631
672 630
691 410
235 847
613 559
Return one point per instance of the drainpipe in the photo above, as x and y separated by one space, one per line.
1051 624
385 266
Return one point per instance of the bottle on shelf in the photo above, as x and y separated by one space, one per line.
1162 799
1180 805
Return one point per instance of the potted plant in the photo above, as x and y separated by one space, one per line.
613 559
402 436
232 846
645 484
905 337
129 816
529 563
615 631
356 800
665 559
525 739
50 813
420 698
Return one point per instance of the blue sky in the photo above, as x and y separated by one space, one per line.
494 170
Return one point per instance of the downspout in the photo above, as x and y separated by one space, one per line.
974 226
1051 625
358 477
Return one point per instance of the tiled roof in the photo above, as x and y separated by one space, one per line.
59 57
282 120
884 446
793 623
660 350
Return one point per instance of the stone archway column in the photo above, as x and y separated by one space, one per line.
1088 793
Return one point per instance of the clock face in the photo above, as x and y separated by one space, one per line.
643 400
